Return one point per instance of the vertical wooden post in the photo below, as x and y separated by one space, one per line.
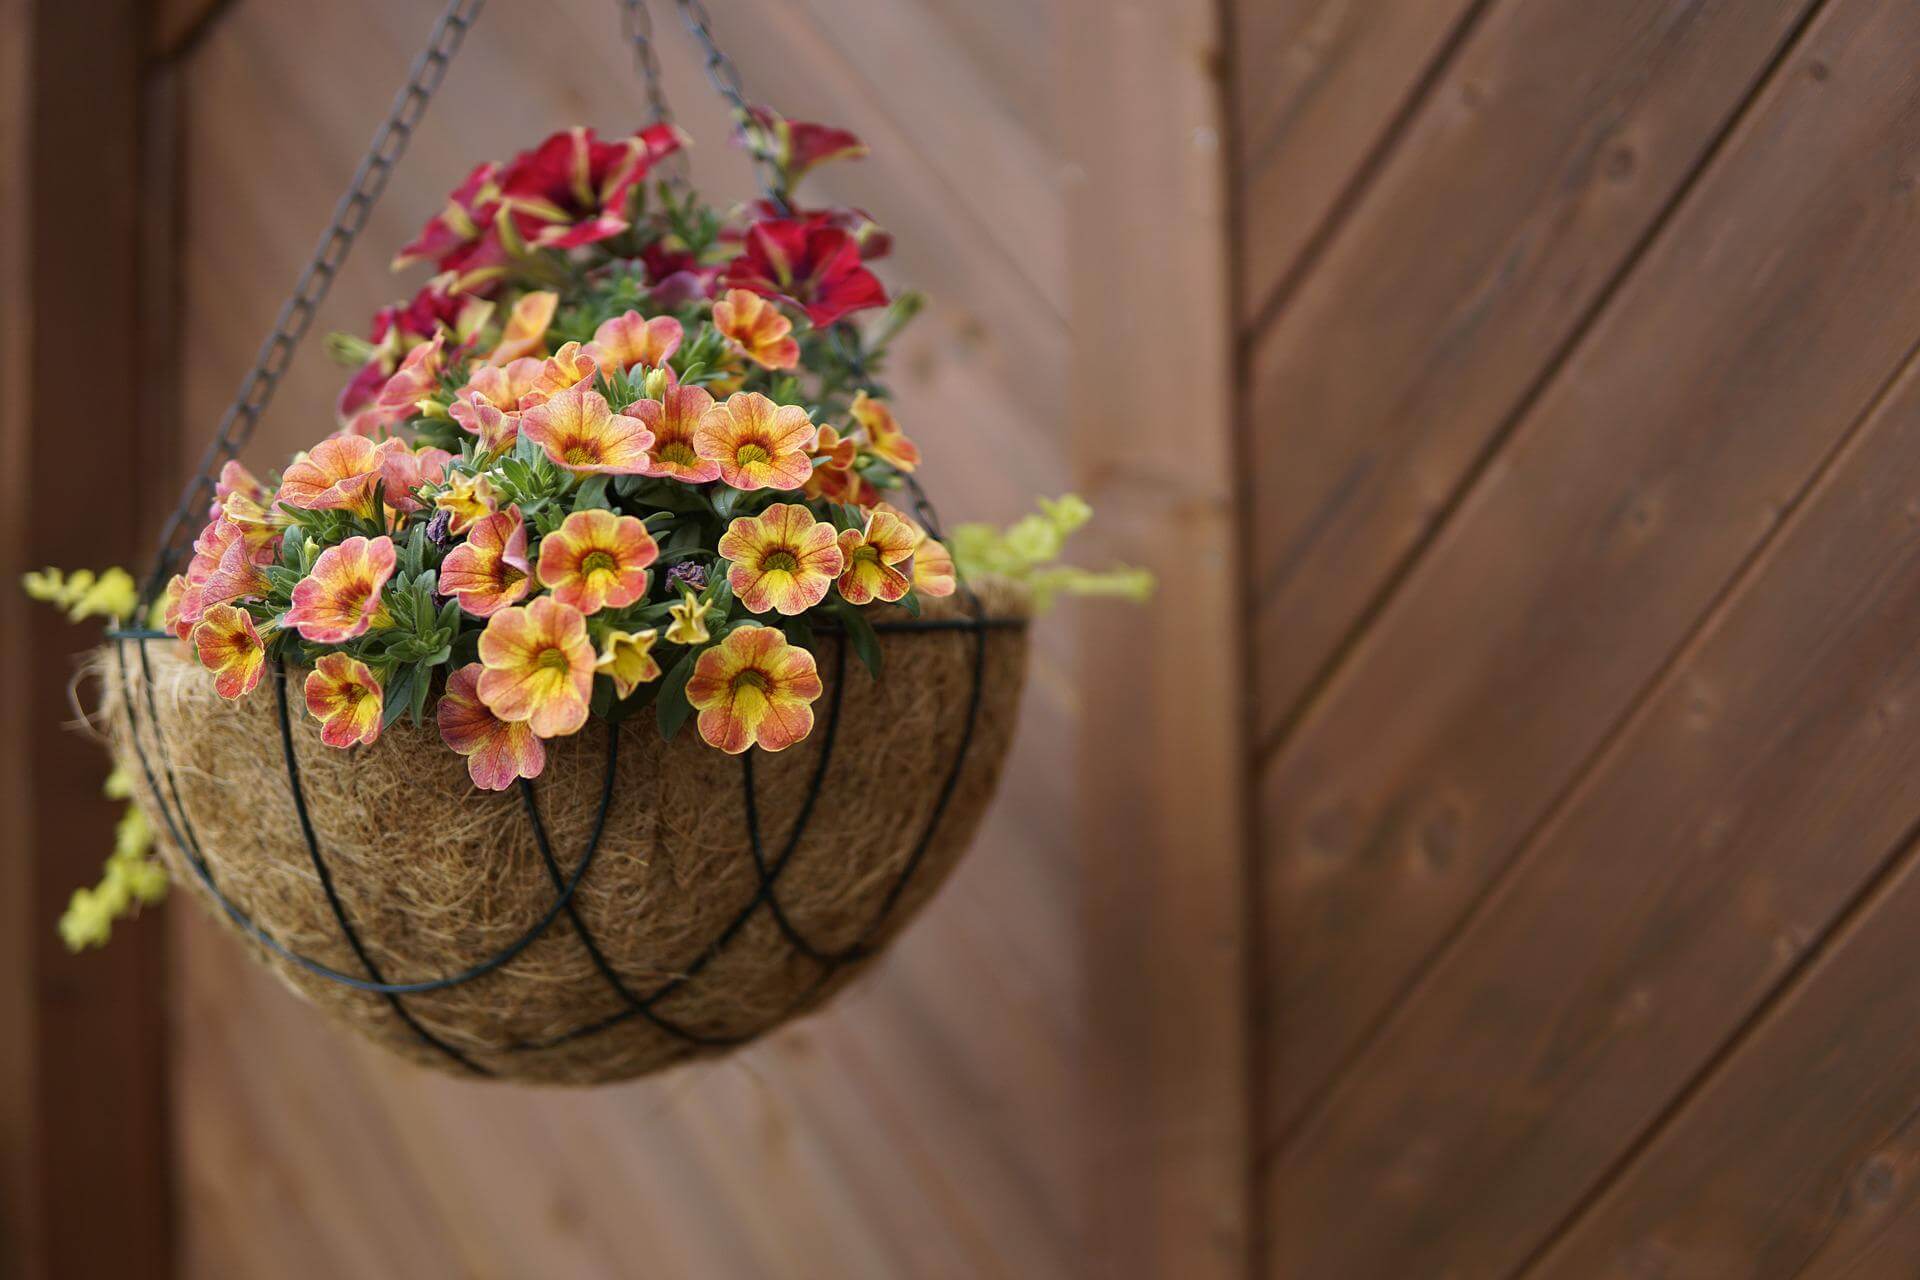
82 1039
1164 758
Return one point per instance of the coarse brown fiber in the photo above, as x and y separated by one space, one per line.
438 876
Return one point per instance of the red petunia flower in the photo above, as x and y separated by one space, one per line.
816 267
795 147
574 189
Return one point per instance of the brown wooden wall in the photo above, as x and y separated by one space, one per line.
1585 597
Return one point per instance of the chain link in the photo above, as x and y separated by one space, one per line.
725 79
297 313
637 22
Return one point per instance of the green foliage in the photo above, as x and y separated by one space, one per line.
1026 549
83 593
131 878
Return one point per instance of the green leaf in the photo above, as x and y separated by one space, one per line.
592 493
399 695
726 500
911 603
860 634
673 708
422 684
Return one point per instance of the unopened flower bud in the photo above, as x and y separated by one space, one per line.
688 573
438 532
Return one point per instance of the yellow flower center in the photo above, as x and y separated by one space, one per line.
866 553
783 561
582 454
598 562
751 679
677 452
750 453
352 695
553 660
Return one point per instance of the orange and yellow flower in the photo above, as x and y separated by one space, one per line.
581 432
756 443
235 478
338 474
885 439
626 657
834 477
506 385
538 666
490 570
630 340
259 527
674 419
568 367
525 332
688 623
497 751
229 645
178 607
933 571
597 560
754 688
225 568
758 328
345 698
340 598
872 556
404 469
783 559
466 499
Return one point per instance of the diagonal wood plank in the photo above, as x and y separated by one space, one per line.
1762 782
1797 1156
1321 88
1559 135
1750 335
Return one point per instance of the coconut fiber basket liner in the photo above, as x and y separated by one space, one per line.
642 903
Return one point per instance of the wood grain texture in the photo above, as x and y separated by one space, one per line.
1753 331
1164 761
19 1196
1797 1156
84 1034
1319 89
1732 818
1558 135
928 1124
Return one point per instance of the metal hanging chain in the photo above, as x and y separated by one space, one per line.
297 313
725 79
637 22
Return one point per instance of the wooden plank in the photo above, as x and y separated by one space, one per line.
86 1035
19 1141
1753 330
1557 137
1767 775
1164 778
1320 91
1796 1157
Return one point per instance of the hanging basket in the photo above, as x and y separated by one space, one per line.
487 859
642 903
